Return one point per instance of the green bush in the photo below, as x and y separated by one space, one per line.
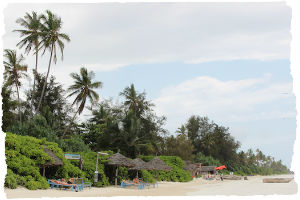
89 162
177 174
10 180
25 155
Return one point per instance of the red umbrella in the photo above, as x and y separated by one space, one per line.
221 167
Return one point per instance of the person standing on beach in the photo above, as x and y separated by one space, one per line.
221 176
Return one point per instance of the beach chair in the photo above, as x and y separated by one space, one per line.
53 183
62 184
148 184
81 182
125 183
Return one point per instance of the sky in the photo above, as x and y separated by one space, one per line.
227 61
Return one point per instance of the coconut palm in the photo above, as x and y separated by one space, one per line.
83 89
14 71
135 101
51 39
31 35
181 130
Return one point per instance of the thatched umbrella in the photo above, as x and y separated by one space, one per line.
157 164
139 165
119 160
57 161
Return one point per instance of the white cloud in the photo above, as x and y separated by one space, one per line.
224 101
110 34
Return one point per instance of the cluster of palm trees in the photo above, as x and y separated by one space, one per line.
41 33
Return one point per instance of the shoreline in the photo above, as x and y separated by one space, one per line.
198 186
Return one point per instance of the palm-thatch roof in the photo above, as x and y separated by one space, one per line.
139 164
193 168
208 168
55 158
157 164
120 160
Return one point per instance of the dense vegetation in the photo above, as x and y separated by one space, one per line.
130 126
25 154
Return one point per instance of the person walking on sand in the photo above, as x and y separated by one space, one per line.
221 176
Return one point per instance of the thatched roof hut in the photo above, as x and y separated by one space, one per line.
57 161
193 168
54 157
158 164
119 160
208 169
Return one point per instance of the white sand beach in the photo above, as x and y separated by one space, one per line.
252 186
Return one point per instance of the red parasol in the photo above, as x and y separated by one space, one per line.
221 167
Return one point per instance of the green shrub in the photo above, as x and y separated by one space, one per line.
177 174
89 166
10 180
25 155
147 176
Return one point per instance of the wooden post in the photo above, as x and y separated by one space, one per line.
43 170
81 163
116 179
137 173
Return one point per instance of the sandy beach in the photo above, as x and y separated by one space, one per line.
252 186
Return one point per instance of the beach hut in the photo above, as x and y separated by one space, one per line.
193 168
139 165
206 170
119 160
57 161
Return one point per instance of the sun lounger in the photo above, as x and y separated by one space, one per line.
125 183
81 182
148 184
61 184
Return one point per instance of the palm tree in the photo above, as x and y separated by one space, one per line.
51 38
181 130
83 88
135 101
14 71
131 98
31 35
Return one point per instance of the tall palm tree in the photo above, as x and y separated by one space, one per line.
31 34
131 97
51 38
83 88
181 130
135 101
14 71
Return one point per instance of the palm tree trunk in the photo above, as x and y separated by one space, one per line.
70 124
45 83
36 64
19 102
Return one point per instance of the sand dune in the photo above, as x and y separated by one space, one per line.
253 186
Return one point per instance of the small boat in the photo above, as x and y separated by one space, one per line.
277 180
232 177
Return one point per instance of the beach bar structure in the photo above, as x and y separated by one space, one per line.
193 168
206 170
57 161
